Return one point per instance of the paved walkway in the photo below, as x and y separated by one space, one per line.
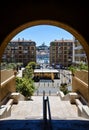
28 115
34 109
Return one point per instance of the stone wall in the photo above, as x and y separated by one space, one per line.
80 83
82 75
7 83
5 74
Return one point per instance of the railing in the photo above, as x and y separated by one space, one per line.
46 106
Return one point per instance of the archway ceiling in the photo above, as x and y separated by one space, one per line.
14 14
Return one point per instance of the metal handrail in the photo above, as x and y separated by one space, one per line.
46 106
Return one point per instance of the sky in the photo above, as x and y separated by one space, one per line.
43 34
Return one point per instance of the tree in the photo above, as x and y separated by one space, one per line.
32 65
72 69
28 72
25 86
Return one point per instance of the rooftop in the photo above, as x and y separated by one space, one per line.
46 71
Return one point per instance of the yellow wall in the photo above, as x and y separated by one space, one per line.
80 83
5 74
7 84
82 75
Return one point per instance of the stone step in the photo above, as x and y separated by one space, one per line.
28 115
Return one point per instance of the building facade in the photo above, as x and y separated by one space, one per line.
79 53
61 52
20 51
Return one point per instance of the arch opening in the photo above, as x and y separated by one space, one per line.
76 34
46 22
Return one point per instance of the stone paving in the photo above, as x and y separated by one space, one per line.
34 109
28 115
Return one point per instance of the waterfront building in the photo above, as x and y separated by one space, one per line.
42 54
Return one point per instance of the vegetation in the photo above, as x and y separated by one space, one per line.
31 65
64 88
72 69
13 65
83 66
25 86
80 66
28 72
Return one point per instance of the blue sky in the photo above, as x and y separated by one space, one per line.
43 34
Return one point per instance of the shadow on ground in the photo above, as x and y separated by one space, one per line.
38 124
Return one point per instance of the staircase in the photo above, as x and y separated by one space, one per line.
28 115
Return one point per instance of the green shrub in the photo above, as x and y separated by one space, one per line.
64 88
25 86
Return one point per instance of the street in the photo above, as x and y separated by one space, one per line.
51 88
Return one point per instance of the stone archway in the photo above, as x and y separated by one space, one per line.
46 22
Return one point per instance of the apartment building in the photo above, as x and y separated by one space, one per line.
20 51
79 53
61 52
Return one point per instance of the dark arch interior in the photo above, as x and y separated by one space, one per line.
18 15
72 16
